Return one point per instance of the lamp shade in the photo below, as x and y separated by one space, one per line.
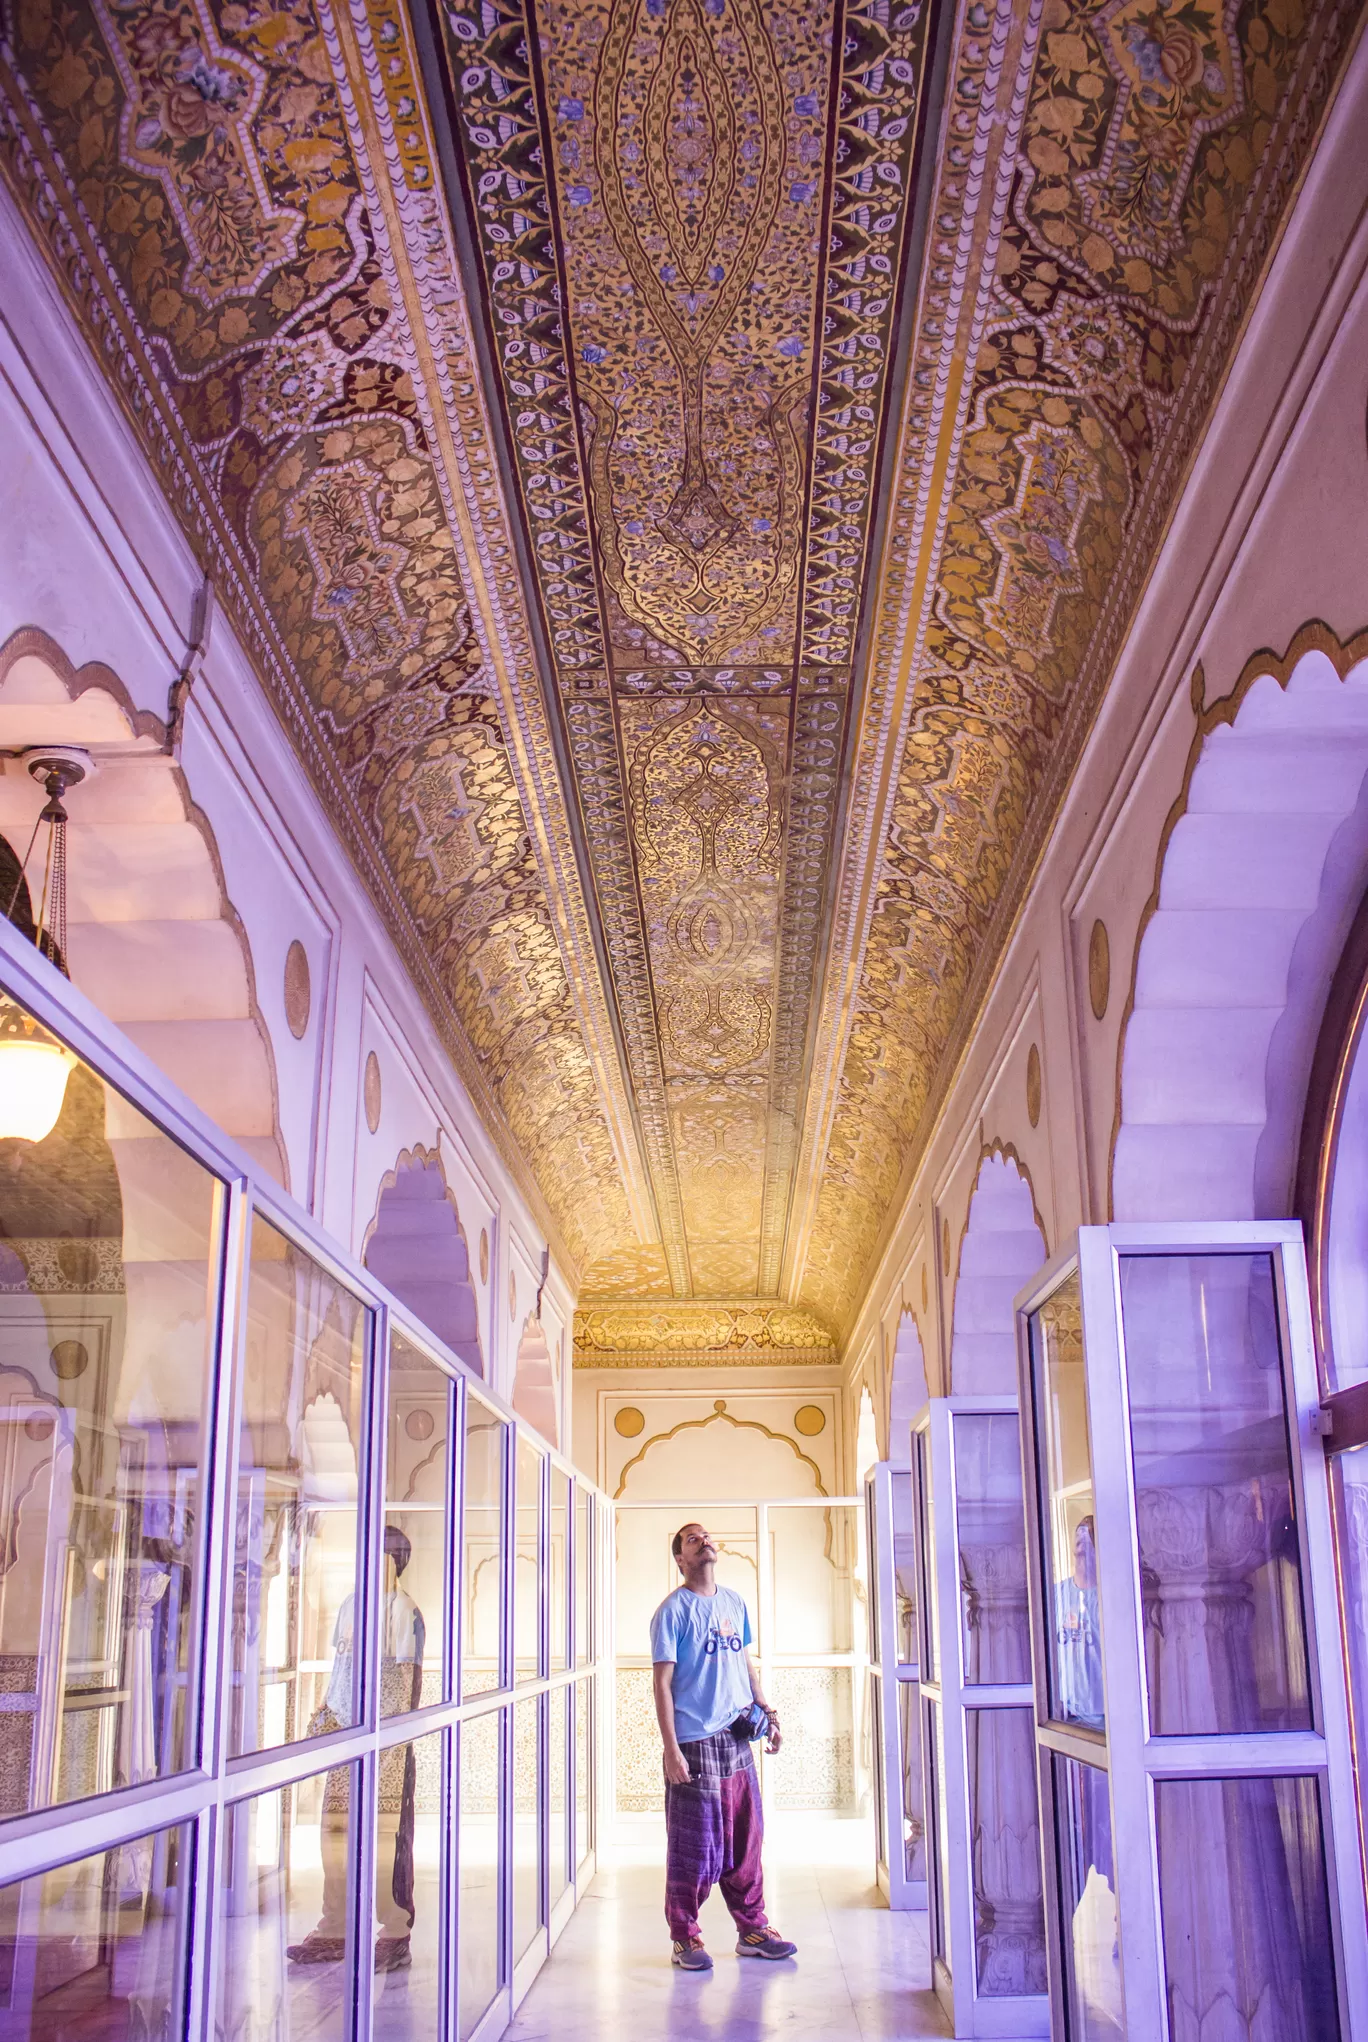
33 1082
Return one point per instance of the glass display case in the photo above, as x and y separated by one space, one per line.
1202 1866
977 1721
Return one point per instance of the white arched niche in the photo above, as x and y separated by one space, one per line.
907 1390
1003 1247
536 1391
152 938
1261 874
417 1248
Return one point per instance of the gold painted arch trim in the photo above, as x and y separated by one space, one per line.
720 1415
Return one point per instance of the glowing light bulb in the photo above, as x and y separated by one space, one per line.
33 1082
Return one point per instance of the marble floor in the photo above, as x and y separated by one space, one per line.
861 1972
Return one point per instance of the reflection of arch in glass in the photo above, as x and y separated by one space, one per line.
417 1248
535 1387
1003 1246
153 939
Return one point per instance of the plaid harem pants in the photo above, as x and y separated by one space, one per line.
714 1829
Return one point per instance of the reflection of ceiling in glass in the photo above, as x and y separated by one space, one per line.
683 469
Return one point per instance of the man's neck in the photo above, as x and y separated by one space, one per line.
703 1581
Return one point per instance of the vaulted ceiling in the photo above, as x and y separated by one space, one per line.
683 469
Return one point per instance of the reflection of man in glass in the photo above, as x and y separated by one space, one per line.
402 1633
1078 1648
1078 1636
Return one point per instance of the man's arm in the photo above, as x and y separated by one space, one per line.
676 1765
775 1737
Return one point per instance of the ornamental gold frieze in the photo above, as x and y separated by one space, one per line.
1109 184
725 1330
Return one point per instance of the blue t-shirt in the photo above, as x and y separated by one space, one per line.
705 1636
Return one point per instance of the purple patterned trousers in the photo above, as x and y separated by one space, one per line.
714 1829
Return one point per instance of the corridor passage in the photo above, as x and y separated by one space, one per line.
861 1971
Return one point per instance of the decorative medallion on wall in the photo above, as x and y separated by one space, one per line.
810 1419
298 991
629 1421
1099 969
69 1360
484 1254
419 1425
1033 1086
370 1091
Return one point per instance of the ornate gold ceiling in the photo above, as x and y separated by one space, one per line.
683 469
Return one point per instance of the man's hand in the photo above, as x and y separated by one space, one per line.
676 1766
776 1735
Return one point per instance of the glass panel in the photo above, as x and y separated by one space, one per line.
1220 1566
813 1554
583 1722
914 1821
110 1245
559 1583
527 1908
482 1547
282 1913
874 1692
1093 2006
995 1621
1004 1828
904 1567
478 1930
1067 1529
557 1757
816 1767
527 1571
584 1574
938 1854
294 1591
97 1948
417 1489
1349 1492
926 1513
1246 1915
408 1891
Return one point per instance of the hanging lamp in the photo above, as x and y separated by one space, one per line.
34 1065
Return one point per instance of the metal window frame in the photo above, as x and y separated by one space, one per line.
198 1797
889 1676
955 1972
1132 1756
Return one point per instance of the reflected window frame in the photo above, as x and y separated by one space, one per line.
397 1326
374 1311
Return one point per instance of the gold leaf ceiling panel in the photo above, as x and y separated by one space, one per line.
683 469
691 222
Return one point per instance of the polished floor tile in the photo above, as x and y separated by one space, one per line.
860 1972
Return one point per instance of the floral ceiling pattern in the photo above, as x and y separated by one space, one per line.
683 469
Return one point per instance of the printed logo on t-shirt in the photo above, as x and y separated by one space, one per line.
724 1637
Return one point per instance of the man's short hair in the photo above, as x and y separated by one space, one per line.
677 1542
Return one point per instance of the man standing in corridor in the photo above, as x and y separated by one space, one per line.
709 1706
